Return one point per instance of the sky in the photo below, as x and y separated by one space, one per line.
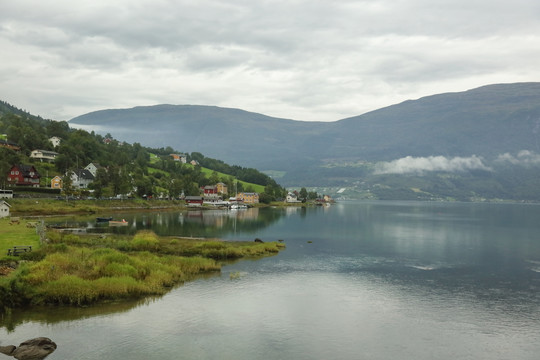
305 60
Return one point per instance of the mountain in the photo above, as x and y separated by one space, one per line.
472 136
233 135
484 121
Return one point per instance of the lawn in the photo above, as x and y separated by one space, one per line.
17 234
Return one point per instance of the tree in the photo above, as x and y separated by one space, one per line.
312 195
214 178
303 193
67 184
175 188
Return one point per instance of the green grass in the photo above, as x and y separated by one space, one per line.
48 206
256 188
17 234
79 270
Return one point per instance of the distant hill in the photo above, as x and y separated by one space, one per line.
486 121
468 131
236 136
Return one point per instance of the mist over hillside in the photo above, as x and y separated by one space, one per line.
461 145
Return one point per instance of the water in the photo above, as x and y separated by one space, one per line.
358 280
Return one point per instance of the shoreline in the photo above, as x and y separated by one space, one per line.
69 269
45 207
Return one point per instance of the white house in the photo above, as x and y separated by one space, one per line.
93 168
55 140
291 198
44 155
179 157
4 208
81 178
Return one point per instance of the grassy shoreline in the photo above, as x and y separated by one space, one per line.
80 270
50 207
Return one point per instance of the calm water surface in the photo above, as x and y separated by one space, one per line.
358 280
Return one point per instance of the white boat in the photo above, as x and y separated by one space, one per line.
238 206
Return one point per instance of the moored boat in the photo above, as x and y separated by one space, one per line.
118 223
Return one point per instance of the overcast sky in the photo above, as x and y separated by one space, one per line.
296 59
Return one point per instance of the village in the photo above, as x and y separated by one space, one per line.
82 182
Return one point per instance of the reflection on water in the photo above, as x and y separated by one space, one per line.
374 280
49 315
190 223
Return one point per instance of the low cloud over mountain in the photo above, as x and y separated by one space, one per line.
409 164
523 158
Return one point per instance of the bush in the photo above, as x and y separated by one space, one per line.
145 240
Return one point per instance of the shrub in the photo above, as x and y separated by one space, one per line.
145 240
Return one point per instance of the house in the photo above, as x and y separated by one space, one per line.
194 162
81 178
328 198
44 155
9 145
4 208
56 182
210 191
248 198
23 175
93 168
179 157
55 141
194 201
221 188
292 198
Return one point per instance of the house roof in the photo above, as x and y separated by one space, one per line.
46 152
26 169
194 198
6 142
83 174
3 202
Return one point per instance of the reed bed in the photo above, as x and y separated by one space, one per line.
81 270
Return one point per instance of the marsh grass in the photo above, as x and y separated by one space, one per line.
80 270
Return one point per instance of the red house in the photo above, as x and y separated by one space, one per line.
194 201
23 175
210 190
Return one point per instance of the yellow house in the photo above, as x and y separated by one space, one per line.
221 188
56 182
248 198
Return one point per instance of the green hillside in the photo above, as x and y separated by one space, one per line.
124 168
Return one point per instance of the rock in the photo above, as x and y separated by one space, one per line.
7 349
257 240
33 349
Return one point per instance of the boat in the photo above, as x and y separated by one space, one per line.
103 219
238 206
118 223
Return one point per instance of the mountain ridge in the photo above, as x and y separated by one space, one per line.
482 124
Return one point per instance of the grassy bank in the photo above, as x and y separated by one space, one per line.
46 207
78 270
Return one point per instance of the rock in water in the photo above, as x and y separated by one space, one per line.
33 349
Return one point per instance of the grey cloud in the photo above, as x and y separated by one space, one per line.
409 164
300 59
